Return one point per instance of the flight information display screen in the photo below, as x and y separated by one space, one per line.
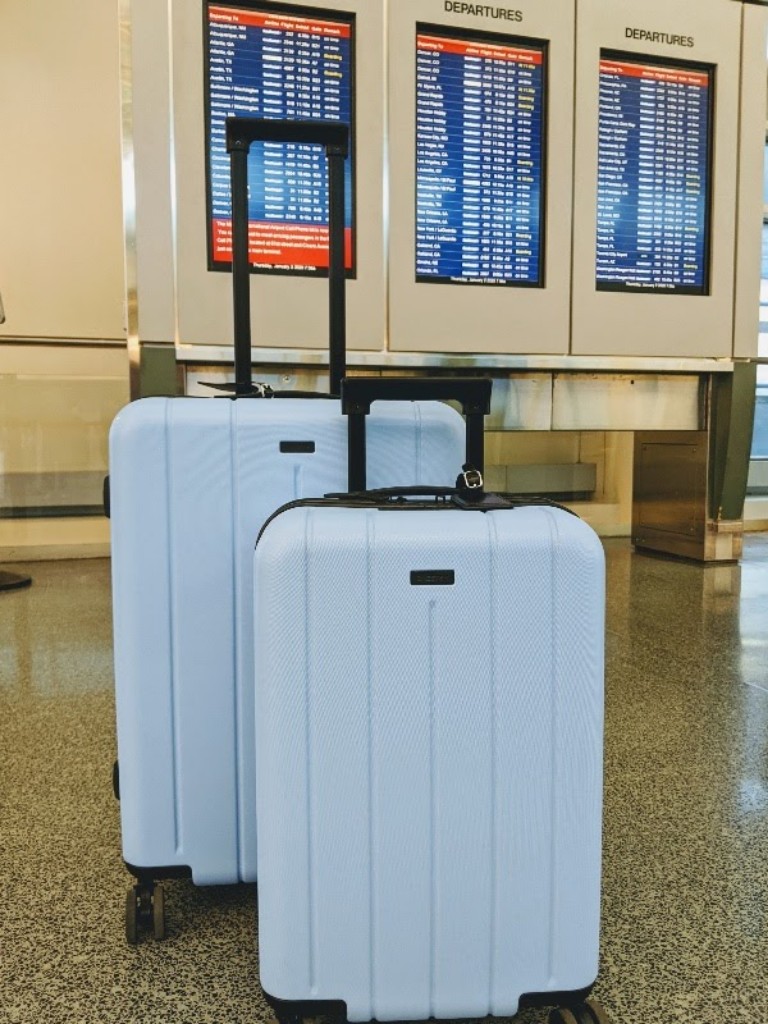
654 175
279 62
480 158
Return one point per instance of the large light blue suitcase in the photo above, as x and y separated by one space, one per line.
429 677
192 480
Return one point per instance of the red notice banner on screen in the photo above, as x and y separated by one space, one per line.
294 246
280 22
672 76
485 51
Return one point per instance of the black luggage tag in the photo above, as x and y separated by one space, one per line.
470 490
244 389
471 496
470 484
260 390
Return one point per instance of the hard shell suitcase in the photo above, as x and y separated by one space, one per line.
429 697
191 482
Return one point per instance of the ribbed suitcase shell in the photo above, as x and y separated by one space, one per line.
429 758
191 482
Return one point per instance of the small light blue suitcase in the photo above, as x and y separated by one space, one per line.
191 482
429 698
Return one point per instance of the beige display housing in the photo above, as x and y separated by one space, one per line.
469 318
287 310
751 164
147 172
653 324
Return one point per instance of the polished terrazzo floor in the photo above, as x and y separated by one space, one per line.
685 907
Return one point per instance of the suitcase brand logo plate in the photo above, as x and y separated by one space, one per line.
433 578
297 447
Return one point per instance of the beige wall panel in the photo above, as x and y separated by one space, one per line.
84 361
57 424
531 448
610 513
613 453
620 323
592 448
148 184
472 318
37 540
57 405
61 250
750 223
604 401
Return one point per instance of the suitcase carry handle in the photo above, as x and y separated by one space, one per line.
395 493
241 132
358 393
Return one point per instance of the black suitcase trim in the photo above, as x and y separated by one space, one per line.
290 1011
533 1000
294 1010
144 875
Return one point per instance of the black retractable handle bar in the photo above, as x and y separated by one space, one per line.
358 393
334 136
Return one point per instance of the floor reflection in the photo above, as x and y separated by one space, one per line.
56 636
685 891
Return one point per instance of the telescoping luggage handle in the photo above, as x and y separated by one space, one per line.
241 132
358 393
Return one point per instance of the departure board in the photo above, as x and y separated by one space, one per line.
278 62
480 111
654 175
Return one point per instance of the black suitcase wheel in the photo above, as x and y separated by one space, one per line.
590 1012
144 911
158 913
561 1016
116 780
598 1013
131 917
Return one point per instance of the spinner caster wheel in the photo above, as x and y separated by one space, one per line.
144 911
158 913
597 1011
590 1012
131 917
